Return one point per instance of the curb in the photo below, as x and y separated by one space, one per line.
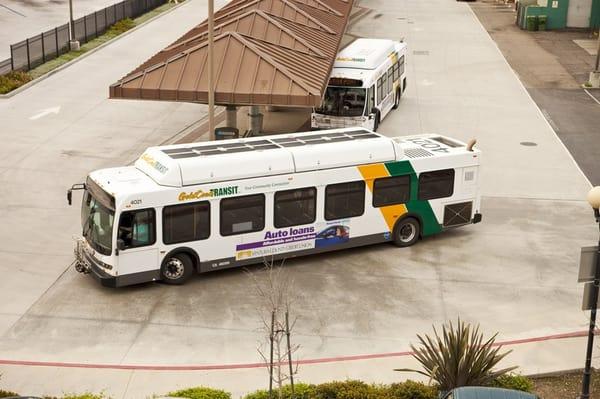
84 55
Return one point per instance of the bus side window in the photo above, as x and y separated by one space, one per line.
186 222
242 214
295 207
391 191
137 228
344 200
436 184
379 90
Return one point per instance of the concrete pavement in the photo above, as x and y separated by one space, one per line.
552 68
515 273
40 158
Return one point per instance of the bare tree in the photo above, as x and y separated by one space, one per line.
275 290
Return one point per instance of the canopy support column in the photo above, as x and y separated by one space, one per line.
255 119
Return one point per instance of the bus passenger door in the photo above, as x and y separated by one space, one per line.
369 109
136 240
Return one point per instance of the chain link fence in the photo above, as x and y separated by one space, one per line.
48 45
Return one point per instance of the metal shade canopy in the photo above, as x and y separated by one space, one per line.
266 52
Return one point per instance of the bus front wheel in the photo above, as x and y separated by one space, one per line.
177 269
407 232
396 99
377 120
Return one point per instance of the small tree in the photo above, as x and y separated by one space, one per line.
459 357
276 293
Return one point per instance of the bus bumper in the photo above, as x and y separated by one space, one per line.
104 278
477 218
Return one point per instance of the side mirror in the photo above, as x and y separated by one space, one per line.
120 244
70 196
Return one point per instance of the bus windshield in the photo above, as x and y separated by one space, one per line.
343 101
97 223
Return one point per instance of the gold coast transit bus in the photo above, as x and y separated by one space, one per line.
366 83
193 208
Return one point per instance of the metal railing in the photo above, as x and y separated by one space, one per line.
48 45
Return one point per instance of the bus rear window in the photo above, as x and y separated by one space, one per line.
436 184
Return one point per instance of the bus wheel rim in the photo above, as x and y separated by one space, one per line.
407 232
174 269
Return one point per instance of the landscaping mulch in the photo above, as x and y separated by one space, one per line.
565 386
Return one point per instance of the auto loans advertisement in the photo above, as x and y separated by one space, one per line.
296 239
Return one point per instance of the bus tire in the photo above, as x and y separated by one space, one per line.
377 120
177 269
406 232
396 99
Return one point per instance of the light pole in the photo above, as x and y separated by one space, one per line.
595 74
211 83
593 199
73 44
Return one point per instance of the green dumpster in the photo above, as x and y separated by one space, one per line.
532 22
542 19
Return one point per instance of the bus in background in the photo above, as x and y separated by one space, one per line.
366 83
194 208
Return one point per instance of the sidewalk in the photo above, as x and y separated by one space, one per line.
137 384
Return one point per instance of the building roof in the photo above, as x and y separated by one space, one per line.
278 52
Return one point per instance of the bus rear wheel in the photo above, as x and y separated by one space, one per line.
177 269
407 232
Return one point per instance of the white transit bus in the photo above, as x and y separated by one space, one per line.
194 208
366 83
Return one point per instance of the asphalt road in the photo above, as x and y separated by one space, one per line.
515 273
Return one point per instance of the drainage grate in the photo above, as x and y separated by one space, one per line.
528 143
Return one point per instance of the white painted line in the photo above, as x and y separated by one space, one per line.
531 98
44 112
592 96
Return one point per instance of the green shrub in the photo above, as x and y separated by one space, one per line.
86 395
200 393
350 389
412 390
13 80
514 381
6 394
301 391
121 26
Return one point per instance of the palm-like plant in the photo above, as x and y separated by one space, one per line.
458 357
